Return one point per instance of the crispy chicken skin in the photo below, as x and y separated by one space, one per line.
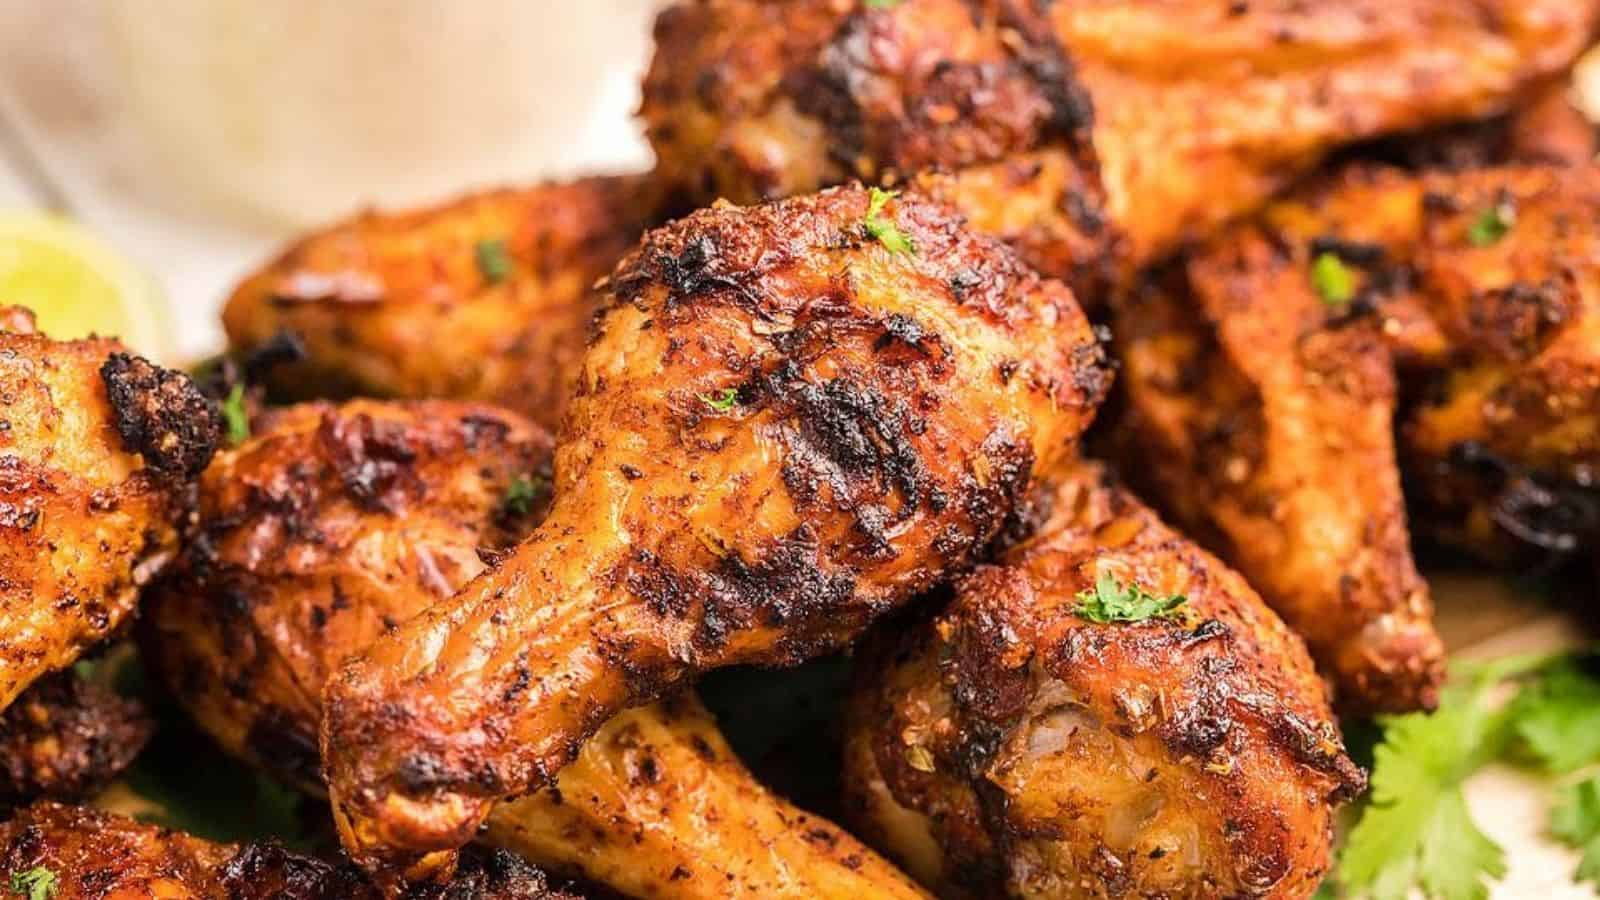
93 855
486 297
1262 420
96 451
1487 281
1483 283
1095 136
1010 747
297 567
65 738
783 429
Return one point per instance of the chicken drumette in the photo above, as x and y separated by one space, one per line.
1267 430
1487 282
483 298
1026 743
1260 373
303 560
97 448
1095 136
792 419
72 853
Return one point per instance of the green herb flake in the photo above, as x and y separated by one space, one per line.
883 230
881 4
1113 601
1334 282
38 883
1492 224
494 261
235 415
723 400
521 494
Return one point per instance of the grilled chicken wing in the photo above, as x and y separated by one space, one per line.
792 418
96 450
1482 282
1263 422
1094 135
1502 444
1016 746
66 737
483 298
298 566
85 854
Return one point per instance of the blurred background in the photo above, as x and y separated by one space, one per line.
195 136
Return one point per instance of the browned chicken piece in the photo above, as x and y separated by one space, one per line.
298 566
1094 135
66 738
484 298
1026 743
1484 283
792 418
77 853
1502 447
96 450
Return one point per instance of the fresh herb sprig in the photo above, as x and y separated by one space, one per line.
521 494
1417 834
1492 224
884 230
722 400
1332 279
37 883
494 260
235 415
1111 601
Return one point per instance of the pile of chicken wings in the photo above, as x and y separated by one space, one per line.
1089 370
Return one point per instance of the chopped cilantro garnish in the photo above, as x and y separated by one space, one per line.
1492 224
37 883
881 4
1112 601
885 231
1332 279
520 495
235 415
723 400
494 261
1417 832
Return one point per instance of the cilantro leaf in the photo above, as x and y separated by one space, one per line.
1575 820
1334 282
1112 601
494 261
1417 831
881 4
1558 718
37 883
520 495
885 231
1492 224
723 400
235 415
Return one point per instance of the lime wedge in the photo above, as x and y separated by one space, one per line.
77 286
